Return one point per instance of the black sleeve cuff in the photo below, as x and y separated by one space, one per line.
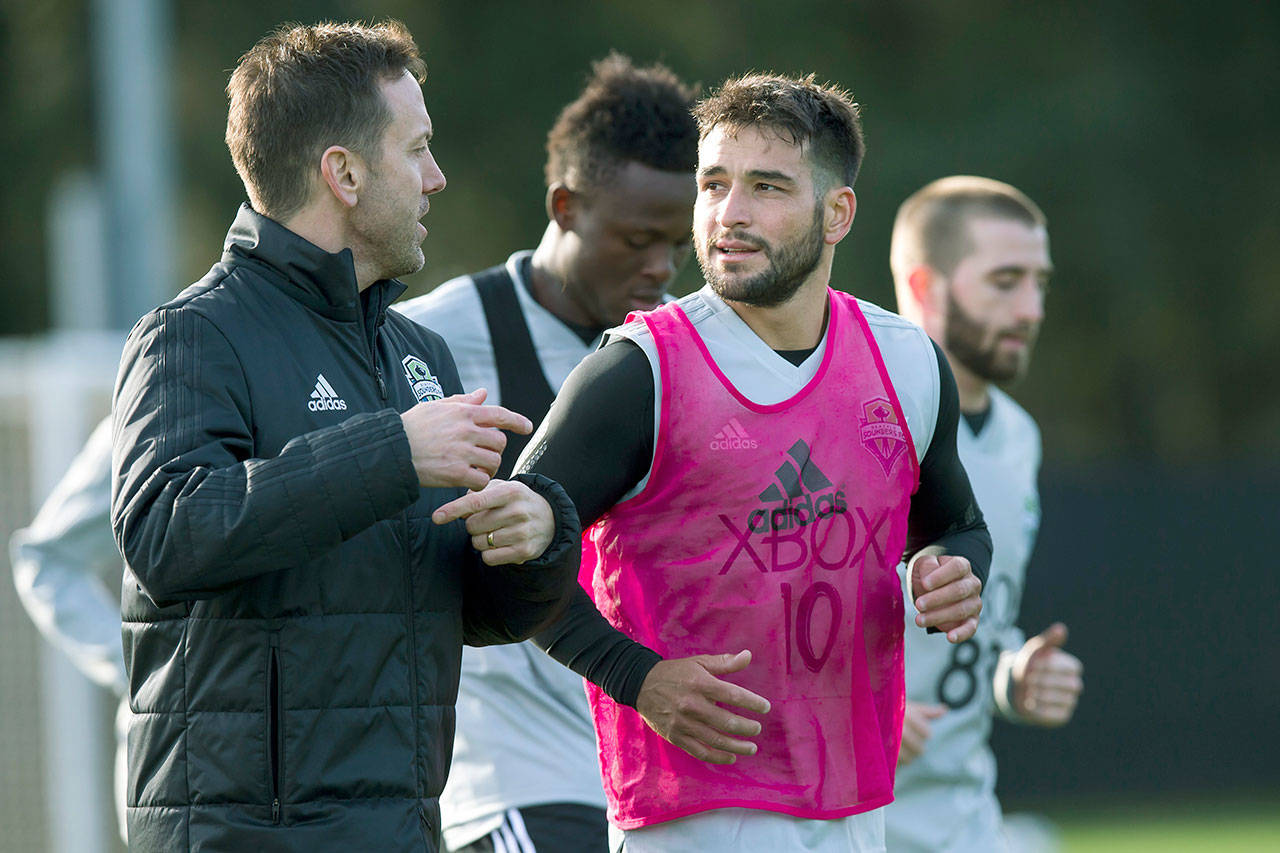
637 661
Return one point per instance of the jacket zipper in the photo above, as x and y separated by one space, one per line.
413 672
376 368
428 834
274 739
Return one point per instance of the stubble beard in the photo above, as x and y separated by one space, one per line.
390 240
966 341
790 264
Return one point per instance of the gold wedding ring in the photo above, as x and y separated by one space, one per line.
488 537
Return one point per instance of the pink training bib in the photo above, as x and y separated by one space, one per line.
775 529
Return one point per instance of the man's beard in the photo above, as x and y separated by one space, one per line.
966 341
390 239
789 265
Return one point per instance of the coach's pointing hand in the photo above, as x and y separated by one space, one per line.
947 594
457 441
508 521
682 700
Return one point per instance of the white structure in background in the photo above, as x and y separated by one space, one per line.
112 244
133 71
62 385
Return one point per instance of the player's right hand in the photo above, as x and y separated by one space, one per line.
682 700
916 731
457 441
948 595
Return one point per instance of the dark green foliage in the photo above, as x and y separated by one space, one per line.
1144 130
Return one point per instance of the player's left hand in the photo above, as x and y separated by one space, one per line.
1047 681
916 730
947 594
508 521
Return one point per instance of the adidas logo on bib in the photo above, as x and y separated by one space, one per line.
733 437
324 398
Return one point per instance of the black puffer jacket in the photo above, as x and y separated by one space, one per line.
293 620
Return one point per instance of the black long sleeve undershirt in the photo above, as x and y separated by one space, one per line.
601 446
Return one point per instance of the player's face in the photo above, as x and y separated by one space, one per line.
758 221
995 299
384 222
629 239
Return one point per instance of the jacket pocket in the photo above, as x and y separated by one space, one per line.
275 736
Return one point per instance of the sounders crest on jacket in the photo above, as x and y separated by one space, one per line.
425 386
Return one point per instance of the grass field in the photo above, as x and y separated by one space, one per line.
1202 826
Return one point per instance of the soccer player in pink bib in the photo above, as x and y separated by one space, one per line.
753 460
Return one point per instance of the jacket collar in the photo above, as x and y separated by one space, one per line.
323 281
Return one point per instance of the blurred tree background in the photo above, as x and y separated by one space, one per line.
1146 131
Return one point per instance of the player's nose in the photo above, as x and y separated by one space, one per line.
1030 303
433 179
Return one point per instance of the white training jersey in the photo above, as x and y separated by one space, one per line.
524 731
945 799
766 378
67 568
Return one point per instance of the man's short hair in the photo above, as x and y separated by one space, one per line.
624 114
824 119
932 226
302 89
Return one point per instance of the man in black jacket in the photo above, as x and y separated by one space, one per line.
293 615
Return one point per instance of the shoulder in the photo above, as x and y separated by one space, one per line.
898 338
636 330
1016 424
222 302
203 313
912 365
452 313
456 300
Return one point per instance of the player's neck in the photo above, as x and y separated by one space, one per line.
796 324
974 391
548 279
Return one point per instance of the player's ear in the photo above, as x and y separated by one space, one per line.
562 204
923 281
343 173
839 208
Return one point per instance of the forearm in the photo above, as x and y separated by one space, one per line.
583 640
73 610
197 506
192 530
597 441
65 560
944 513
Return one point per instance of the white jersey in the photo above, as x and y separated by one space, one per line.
524 731
67 568
945 799
767 378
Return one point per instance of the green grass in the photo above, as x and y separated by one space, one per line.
1235 825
